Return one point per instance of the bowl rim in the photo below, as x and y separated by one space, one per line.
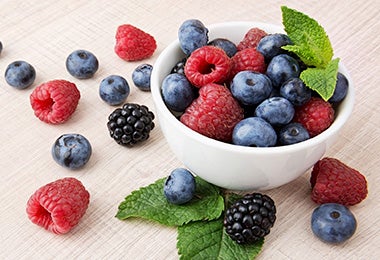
341 117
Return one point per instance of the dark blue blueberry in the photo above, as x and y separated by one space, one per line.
275 110
82 64
228 46
20 74
141 76
192 34
114 90
333 223
179 67
251 88
254 132
177 92
341 89
282 68
71 151
179 187
292 133
270 45
295 91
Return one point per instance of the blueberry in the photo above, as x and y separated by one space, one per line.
192 34
177 92
179 67
292 133
114 90
254 132
71 151
275 110
228 46
1 47
270 45
341 89
251 88
82 64
141 76
281 68
295 91
179 187
20 74
333 223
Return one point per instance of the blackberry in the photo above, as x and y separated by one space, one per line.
130 124
250 218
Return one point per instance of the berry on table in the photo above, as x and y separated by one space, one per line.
72 151
130 124
228 46
295 91
141 76
250 218
247 59
292 133
114 90
251 38
55 101
270 45
58 206
20 74
82 64
179 187
192 34
282 68
275 110
333 223
177 92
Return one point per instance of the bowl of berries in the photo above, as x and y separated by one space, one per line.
243 107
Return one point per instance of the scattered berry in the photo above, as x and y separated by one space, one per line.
214 113
247 59
295 91
114 90
228 46
55 101
275 110
341 89
250 219
192 34
177 92
133 44
207 64
334 182
292 133
20 74
141 76
282 68
251 39
82 64
179 187
130 124
270 45
333 223
58 206
72 151
316 115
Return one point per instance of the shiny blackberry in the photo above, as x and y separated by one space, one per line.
179 67
130 124
249 219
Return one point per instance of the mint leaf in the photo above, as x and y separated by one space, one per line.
322 80
150 203
311 43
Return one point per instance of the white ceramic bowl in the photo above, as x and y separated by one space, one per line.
231 166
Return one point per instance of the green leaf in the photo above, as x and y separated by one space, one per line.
311 43
150 203
323 81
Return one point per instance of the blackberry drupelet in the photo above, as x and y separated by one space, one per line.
130 124
250 218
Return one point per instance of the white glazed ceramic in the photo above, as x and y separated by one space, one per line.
231 166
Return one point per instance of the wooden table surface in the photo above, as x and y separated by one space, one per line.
45 32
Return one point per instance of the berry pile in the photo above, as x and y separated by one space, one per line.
254 78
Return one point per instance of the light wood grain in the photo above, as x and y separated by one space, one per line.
45 32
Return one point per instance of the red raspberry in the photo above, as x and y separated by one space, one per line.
214 113
251 39
58 206
334 182
55 101
248 59
207 64
133 44
316 115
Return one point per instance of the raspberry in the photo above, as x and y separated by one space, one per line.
316 115
58 206
247 59
250 218
133 44
214 113
334 182
251 39
207 64
55 101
